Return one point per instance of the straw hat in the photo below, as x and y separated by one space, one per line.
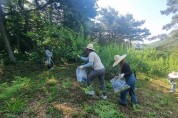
90 46
173 75
118 58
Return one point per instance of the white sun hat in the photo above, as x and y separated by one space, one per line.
90 46
173 75
118 58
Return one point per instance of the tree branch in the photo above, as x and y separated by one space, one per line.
20 4
38 7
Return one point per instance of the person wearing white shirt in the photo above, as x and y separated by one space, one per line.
98 69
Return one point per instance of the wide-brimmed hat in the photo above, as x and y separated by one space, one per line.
90 46
118 58
173 75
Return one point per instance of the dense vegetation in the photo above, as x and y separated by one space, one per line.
26 27
28 89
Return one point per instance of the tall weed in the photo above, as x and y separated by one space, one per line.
149 61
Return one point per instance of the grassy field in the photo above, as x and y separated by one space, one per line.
30 91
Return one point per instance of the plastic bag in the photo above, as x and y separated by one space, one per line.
81 75
119 84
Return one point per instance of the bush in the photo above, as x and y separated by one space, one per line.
104 109
63 42
149 61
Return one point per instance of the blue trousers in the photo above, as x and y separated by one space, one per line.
131 82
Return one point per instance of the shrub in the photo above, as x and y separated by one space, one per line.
104 109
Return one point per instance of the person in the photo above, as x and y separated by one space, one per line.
98 69
126 72
49 61
172 77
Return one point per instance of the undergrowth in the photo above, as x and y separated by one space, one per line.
55 93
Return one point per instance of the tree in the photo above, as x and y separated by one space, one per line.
4 33
119 27
172 8
19 18
77 13
70 13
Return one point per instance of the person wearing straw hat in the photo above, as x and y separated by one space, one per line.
126 72
172 77
98 69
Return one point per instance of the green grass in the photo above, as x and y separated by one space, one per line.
31 95
104 109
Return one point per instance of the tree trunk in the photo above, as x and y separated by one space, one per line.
5 37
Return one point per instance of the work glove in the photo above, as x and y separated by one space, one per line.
116 77
122 75
81 67
78 56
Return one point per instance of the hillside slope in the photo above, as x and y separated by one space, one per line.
29 90
170 44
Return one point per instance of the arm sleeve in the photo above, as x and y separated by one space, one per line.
84 58
89 64
126 70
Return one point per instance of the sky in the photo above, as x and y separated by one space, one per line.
148 10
